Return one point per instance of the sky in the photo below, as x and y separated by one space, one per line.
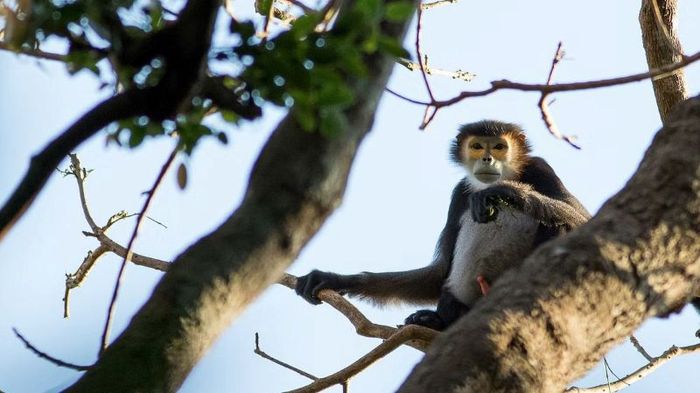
392 213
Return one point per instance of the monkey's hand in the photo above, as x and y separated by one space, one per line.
427 318
486 203
309 285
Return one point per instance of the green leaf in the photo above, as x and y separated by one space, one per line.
304 25
335 94
392 46
262 7
333 121
306 117
136 136
398 11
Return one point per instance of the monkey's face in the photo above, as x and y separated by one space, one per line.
487 158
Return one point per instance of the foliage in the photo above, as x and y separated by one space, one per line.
304 68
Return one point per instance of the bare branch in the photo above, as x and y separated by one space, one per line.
39 54
127 254
264 355
505 84
458 74
640 348
544 105
401 336
101 233
403 97
438 3
74 280
363 326
422 60
640 373
46 356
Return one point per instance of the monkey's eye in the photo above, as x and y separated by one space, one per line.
476 146
499 146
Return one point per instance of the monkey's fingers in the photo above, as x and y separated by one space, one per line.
483 285
308 287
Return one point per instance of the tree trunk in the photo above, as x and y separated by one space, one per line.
662 47
550 321
298 180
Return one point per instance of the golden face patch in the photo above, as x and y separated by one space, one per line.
478 147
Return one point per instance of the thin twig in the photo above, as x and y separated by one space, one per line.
39 54
427 118
363 326
438 3
640 348
139 220
458 74
402 335
288 366
301 5
638 374
46 356
75 279
268 22
403 97
544 105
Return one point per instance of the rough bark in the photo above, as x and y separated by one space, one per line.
662 47
297 181
549 322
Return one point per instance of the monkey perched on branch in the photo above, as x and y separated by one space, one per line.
507 204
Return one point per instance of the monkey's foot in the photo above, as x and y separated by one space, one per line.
483 284
427 318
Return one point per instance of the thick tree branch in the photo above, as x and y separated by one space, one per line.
637 258
297 181
657 19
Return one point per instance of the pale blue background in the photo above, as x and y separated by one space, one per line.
393 211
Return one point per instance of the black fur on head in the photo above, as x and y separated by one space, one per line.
489 128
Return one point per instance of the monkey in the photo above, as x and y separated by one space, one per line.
507 204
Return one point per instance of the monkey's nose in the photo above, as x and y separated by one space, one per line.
487 159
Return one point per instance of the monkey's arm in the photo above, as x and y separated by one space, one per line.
549 211
414 286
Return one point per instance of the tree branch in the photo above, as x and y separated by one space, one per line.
288 366
130 246
363 326
48 357
296 183
657 19
183 70
642 246
401 336
639 373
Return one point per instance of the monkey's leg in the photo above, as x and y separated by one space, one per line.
483 284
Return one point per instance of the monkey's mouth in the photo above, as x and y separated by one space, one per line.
487 177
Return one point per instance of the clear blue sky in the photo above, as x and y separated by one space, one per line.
393 211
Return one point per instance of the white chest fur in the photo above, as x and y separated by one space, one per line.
488 249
